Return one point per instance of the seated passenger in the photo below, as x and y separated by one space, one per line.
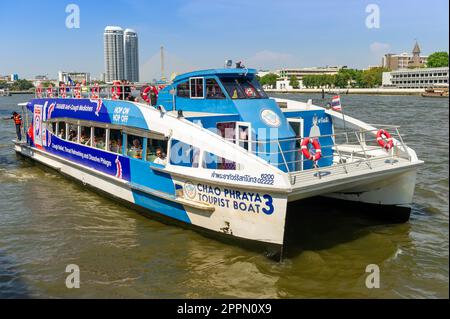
62 134
113 147
160 157
136 149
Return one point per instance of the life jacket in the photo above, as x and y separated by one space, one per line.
17 119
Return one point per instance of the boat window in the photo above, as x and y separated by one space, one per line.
134 146
85 136
213 90
99 138
73 133
62 130
154 148
243 88
197 88
115 141
183 90
182 154
212 161
52 128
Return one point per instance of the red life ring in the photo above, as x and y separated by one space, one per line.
385 139
50 91
62 91
145 94
95 92
116 91
315 143
77 91
39 92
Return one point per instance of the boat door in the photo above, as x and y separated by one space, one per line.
236 132
298 125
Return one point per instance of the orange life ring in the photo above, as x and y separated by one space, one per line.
95 92
62 91
116 91
145 94
305 149
77 91
50 91
385 139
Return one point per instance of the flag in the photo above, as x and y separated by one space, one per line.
336 103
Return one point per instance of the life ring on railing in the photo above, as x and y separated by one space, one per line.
385 139
77 91
305 149
62 91
39 92
146 94
116 91
50 91
95 92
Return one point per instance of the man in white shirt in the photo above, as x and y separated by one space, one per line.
160 157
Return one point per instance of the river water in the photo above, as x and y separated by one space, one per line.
48 222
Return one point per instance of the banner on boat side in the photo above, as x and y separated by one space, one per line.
37 125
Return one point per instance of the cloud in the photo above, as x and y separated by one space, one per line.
269 60
379 49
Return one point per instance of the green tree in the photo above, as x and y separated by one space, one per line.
373 77
269 79
437 60
21 85
293 81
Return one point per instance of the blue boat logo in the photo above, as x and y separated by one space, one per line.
270 118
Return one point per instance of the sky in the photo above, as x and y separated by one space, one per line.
200 34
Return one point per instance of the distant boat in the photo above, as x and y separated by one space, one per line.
436 91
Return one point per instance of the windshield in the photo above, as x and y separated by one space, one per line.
243 88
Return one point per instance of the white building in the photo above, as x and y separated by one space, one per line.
416 78
114 53
131 55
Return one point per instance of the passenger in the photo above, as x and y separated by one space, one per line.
160 157
62 134
73 136
114 147
18 123
136 149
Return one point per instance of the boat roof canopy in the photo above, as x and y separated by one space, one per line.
218 72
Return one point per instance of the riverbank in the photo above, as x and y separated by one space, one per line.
376 91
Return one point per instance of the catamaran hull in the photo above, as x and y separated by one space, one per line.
255 219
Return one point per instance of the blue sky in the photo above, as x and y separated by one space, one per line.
203 33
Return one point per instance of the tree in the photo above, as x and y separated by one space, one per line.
437 60
372 77
269 79
294 82
21 85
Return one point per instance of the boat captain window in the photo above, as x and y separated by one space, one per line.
213 90
243 88
183 90
197 88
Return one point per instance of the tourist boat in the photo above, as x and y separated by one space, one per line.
235 157
436 91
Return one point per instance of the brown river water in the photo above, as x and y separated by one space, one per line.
48 222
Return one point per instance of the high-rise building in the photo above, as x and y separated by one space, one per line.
131 47
114 54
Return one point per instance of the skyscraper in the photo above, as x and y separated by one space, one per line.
114 54
131 47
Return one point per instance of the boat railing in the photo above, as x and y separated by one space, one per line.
96 91
341 148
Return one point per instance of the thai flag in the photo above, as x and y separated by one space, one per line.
336 103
